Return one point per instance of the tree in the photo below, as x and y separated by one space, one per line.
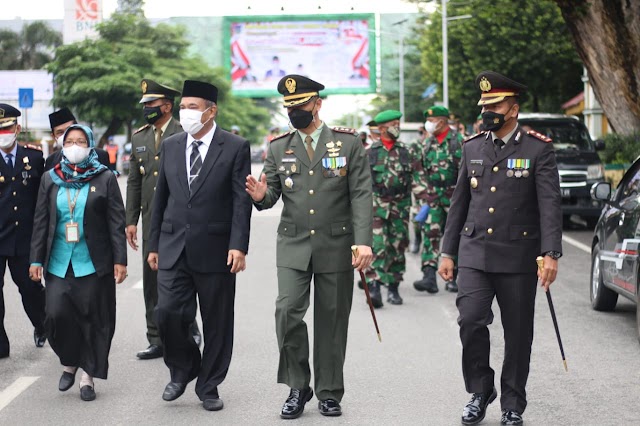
524 39
30 49
606 34
131 7
100 79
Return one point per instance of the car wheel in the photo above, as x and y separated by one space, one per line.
602 298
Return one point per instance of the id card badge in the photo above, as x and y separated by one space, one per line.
72 233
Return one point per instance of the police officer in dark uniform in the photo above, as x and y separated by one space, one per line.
20 172
505 212
158 101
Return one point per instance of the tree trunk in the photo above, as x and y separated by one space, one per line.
112 128
606 34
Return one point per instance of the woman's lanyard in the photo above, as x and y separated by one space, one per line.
72 232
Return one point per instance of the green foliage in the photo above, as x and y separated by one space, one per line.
100 79
621 149
32 48
524 39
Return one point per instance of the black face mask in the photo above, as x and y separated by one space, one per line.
152 114
492 121
301 119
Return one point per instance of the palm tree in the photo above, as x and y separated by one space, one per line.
30 49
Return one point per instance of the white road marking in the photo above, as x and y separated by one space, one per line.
137 285
16 388
577 244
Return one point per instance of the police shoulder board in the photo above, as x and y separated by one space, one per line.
141 128
345 130
280 136
540 136
474 136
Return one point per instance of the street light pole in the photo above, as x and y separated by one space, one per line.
445 57
401 71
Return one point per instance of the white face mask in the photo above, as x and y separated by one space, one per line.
76 154
191 120
7 140
430 127
59 141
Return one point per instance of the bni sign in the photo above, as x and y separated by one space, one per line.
80 19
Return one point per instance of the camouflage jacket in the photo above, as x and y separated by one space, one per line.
441 163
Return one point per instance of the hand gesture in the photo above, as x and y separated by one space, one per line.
446 268
257 189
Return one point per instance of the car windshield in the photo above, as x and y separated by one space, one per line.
566 135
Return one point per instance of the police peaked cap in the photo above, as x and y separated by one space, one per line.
496 87
298 90
8 115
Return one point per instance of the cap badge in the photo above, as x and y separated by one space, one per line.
144 86
290 84
430 111
485 86
1 113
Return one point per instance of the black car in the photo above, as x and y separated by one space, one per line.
615 264
579 165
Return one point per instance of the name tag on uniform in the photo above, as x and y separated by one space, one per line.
72 233
478 162
289 160
141 148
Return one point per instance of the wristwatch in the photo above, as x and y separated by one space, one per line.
554 254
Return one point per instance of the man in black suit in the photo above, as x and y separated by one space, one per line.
21 169
505 211
198 242
60 121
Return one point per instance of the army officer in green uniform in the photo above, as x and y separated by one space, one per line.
158 103
323 177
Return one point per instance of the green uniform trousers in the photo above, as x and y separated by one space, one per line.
333 294
150 292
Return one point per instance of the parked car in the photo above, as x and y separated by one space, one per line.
126 156
615 263
579 165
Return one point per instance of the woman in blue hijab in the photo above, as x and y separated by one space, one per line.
79 246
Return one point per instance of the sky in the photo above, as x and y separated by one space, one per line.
54 9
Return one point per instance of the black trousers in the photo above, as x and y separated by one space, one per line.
81 320
516 294
32 294
176 311
150 291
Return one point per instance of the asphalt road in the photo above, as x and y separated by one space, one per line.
412 377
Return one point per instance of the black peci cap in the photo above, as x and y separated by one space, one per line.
61 116
200 89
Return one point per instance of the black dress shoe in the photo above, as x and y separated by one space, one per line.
152 352
294 405
173 391
195 332
213 404
393 296
374 292
66 381
4 354
511 417
330 407
87 393
451 286
476 409
39 338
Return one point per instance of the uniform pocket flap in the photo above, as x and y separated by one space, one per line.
288 229
341 228
475 170
467 229
219 228
523 232
166 227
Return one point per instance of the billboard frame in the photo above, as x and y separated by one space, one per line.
266 93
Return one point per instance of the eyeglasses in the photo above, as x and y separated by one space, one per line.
79 142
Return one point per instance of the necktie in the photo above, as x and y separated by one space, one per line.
309 141
158 138
195 161
10 161
497 145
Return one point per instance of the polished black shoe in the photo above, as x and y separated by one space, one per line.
66 381
294 405
393 296
428 282
195 332
511 417
39 338
451 286
374 292
152 352
87 393
4 354
173 391
476 408
213 404
330 408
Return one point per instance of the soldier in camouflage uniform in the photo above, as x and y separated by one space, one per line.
440 162
395 172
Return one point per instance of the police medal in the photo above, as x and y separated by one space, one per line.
288 182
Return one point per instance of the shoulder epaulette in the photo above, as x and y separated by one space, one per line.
345 130
36 147
141 128
539 136
281 135
474 136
